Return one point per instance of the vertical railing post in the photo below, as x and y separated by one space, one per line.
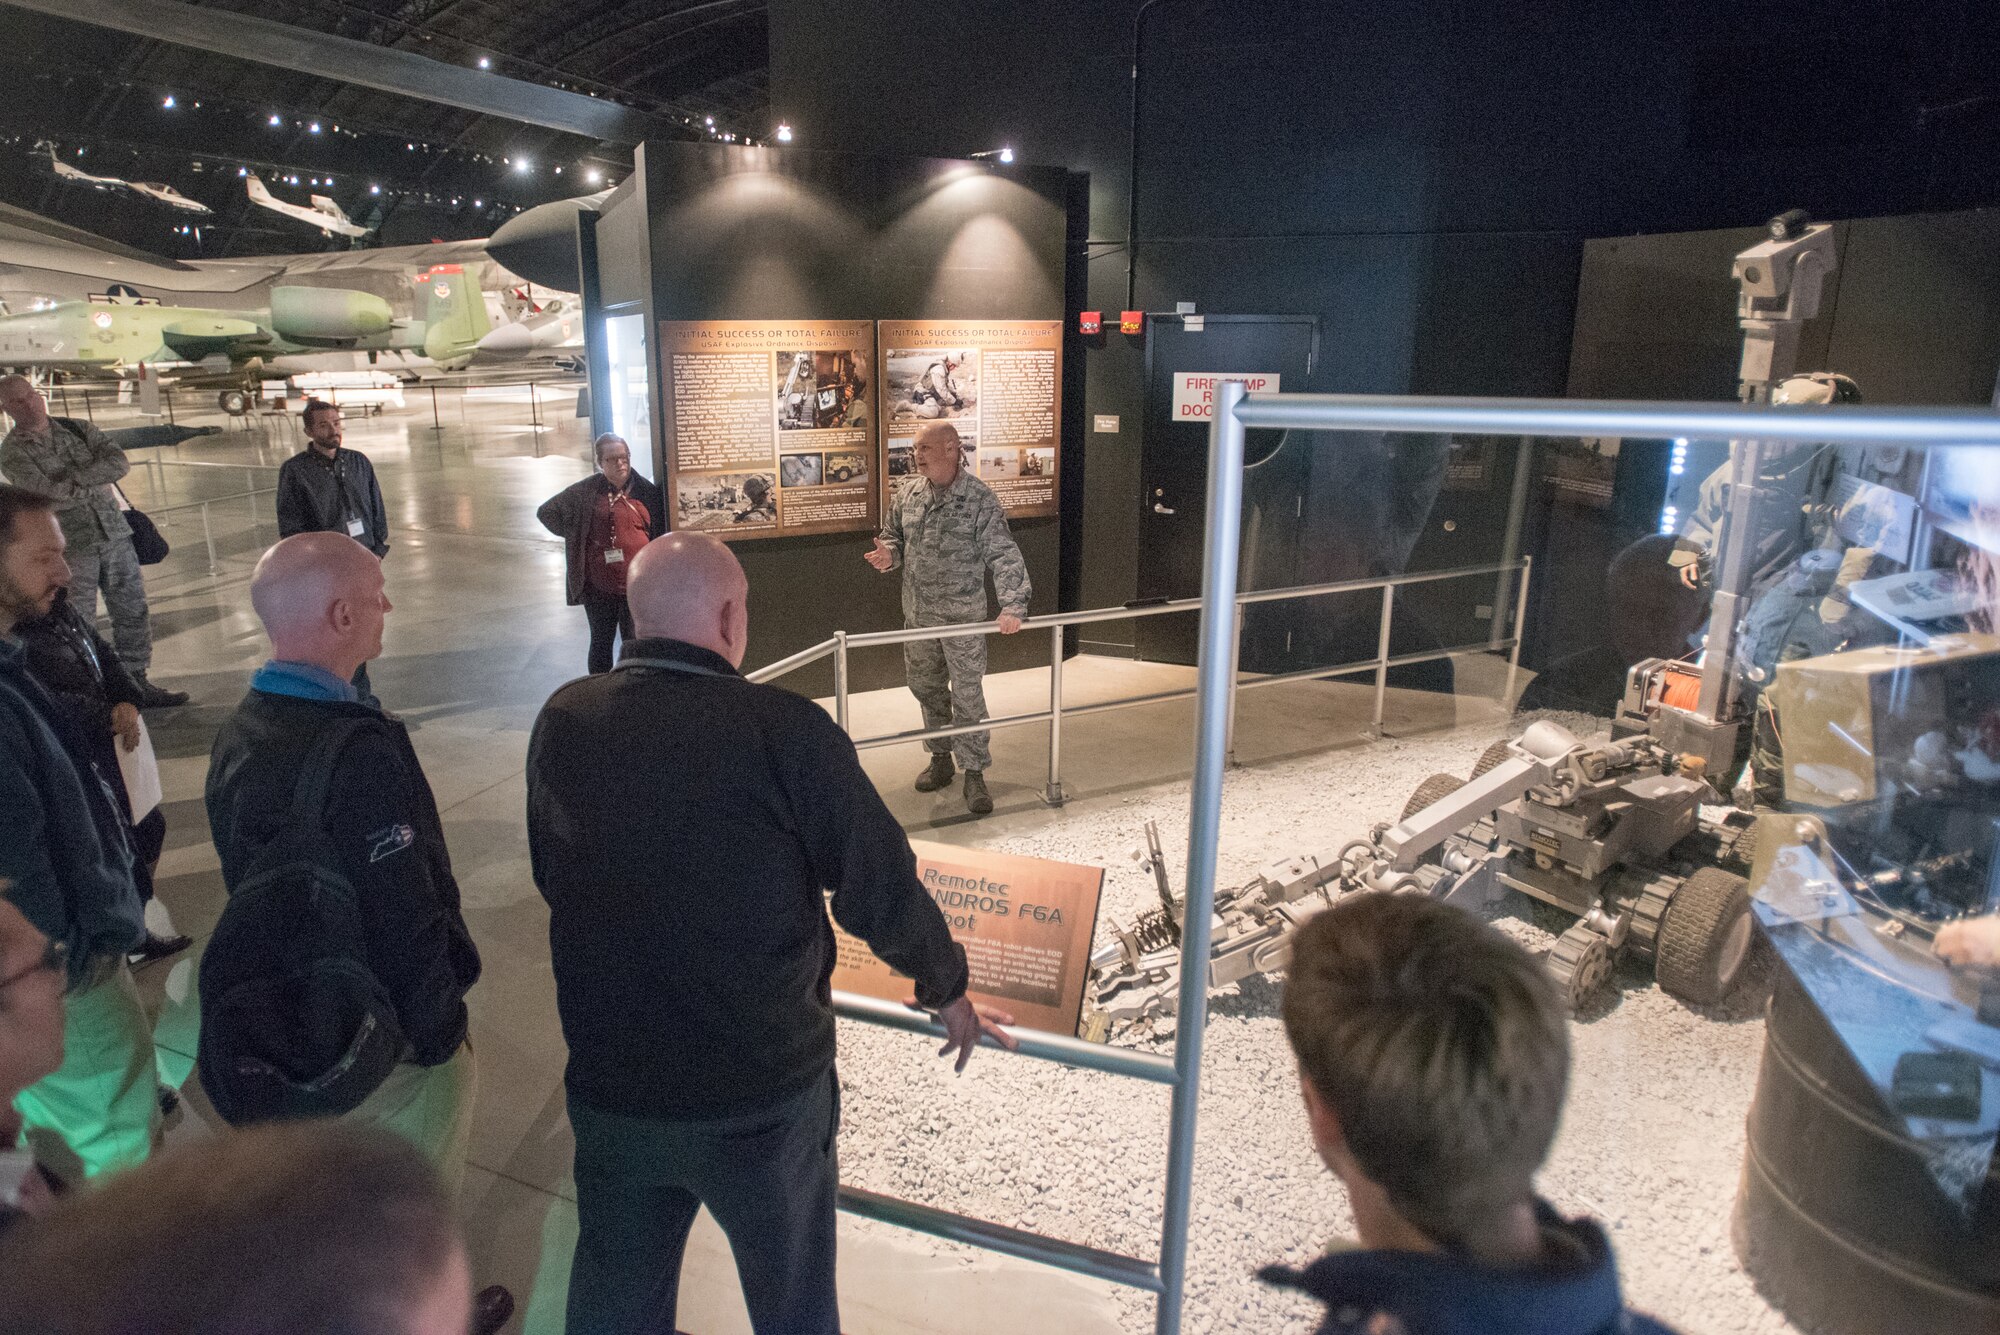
208 536
436 425
1235 669
840 679
1382 656
1218 617
1520 624
1053 794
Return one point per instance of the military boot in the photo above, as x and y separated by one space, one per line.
977 800
938 775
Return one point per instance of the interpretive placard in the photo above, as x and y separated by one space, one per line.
1025 923
769 426
998 382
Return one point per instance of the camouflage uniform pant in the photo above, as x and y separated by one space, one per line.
114 567
945 676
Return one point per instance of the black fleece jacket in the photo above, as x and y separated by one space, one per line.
384 821
683 823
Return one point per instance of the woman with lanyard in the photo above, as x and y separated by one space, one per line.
604 521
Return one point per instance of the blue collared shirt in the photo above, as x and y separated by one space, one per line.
306 681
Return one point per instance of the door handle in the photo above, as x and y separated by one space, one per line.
1159 509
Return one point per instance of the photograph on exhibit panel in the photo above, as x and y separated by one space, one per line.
926 385
801 470
725 502
847 467
823 390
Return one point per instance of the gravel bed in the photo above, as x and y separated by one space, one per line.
1651 1145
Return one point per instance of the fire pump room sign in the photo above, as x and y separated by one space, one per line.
1195 391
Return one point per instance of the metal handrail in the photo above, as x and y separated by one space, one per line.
841 643
208 533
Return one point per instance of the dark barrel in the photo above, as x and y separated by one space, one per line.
1837 1219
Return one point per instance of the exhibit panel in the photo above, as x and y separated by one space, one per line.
769 430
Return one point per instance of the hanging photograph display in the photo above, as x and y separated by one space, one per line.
1025 923
769 426
997 382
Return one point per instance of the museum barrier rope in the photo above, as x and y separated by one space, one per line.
1215 696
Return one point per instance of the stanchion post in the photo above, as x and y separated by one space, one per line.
436 425
840 679
1382 656
1211 743
1235 667
1520 625
1053 793
208 536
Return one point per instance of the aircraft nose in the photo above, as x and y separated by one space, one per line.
509 340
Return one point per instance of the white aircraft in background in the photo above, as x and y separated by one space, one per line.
324 213
165 194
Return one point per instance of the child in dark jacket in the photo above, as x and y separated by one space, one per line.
1433 1058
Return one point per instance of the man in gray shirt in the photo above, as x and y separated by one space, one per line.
74 464
946 529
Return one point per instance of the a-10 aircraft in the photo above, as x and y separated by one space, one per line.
324 214
164 194
107 334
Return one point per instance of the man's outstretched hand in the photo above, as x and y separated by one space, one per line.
965 1023
881 558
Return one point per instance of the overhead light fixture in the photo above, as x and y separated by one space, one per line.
523 165
242 171
276 119
329 180
374 189
168 101
784 133
485 63
709 121
593 176
478 203
313 128
559 171
1006 155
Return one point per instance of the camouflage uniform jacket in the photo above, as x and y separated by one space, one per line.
945 540
73 464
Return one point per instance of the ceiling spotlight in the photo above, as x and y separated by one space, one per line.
593 176
329 180
374 189
559 171
478 203
168 101
709 121
784 134
523 165
485 64
313 128
276 119
242 171
1006 155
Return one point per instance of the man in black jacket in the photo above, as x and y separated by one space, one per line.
604 521
320 598
326 488
706 1077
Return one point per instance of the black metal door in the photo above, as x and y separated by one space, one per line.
1174 477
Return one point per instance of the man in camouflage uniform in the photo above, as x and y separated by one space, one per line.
946 529
74 464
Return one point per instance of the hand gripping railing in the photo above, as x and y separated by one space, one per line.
1214 694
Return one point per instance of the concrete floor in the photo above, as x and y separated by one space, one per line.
479 638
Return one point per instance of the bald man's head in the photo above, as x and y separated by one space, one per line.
20 400
690 587
320 598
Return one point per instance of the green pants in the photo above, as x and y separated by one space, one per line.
100 1110
431 1107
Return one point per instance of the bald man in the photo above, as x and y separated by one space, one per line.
320 598
683 825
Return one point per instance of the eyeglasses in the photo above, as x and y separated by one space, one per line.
55 959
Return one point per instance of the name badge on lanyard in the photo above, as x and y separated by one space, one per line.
356 529
614 556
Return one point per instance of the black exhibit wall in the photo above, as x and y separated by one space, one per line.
1421 175
786 233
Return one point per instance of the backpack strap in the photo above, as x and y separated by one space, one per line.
316 772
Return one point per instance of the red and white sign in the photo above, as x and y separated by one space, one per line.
1194 391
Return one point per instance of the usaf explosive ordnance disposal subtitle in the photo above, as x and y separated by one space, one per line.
1611 830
